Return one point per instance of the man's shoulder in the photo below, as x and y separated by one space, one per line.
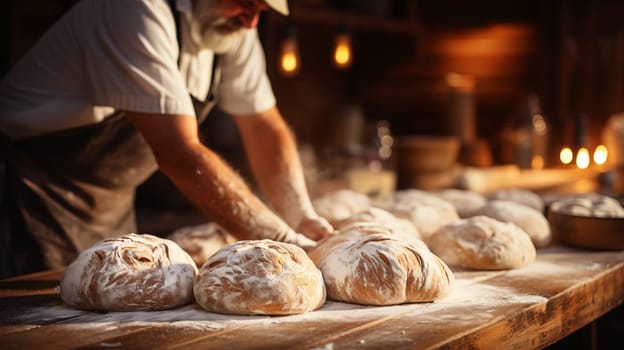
123 20
127 8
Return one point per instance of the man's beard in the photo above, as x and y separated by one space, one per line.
217 33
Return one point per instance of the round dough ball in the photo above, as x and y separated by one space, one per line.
426 211
521 196
341 204
590 204
400 227
379 269
130 273
202 241
465 202
530 220
484 243
260 277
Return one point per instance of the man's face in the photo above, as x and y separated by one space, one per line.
223 21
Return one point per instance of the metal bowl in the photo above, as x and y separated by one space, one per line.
603 233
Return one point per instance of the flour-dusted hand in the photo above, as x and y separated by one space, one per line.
304 242
315 228
298 239
277 168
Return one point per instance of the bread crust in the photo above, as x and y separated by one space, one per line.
260 277
135 272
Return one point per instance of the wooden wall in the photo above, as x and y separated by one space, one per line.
568 52
571 52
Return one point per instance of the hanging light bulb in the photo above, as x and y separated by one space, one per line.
566 155
582 158
600 155
289 59
342 55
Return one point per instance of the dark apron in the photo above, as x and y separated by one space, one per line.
76 187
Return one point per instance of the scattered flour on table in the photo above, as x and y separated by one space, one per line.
547 269
593 266
329 346
184 316
485 295
471 298
482 298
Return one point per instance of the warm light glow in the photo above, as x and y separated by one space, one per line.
600 155
387 141
537 162
343 52
539 124
566 155
582 158
290 61
461 82
375 165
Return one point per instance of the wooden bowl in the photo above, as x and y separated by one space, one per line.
420 153
590 232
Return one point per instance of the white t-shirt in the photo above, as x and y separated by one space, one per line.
123 54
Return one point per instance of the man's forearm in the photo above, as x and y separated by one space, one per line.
276 165
216 190
207 181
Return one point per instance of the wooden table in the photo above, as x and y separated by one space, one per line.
527 308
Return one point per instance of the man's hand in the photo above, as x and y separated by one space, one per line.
304 242
315 227
274 159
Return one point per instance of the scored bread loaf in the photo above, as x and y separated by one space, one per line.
129 273
530 220
484 243
379 269
424 210
260 277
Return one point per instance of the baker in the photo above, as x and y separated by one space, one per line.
114 91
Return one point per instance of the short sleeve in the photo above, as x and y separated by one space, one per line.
245 87
131 56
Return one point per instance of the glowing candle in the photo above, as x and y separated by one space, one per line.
566 156
582 158
600 155
343 52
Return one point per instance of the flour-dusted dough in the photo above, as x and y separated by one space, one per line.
379 269
465 202
260 277
589 204
484 243
530 220
130 273
356 230
202 241
400 227
518 195
340 204
426 211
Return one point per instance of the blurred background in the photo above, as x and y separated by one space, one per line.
386 94
391 94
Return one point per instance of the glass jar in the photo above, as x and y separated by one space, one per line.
525 136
